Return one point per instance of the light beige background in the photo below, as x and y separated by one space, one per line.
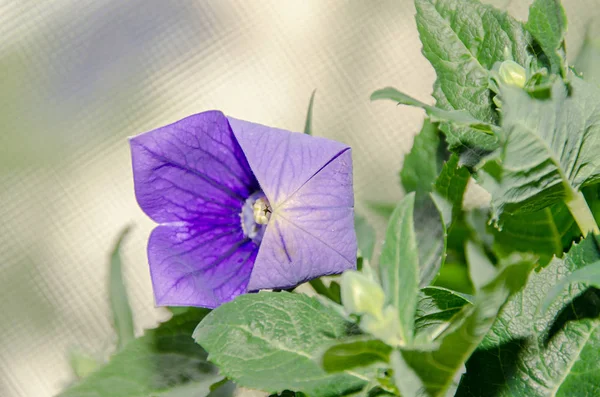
78 77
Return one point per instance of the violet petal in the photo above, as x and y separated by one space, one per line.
199 266
282 161
308 182
193 177
189 169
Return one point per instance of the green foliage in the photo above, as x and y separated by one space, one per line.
481 269
457 117
271 341
430 231
165 361
365 236
358 351
424 162
119 303
589 275
463 39
533 353
548 155
436 309
550 149
309 114
437 216
438 366
449 190
547 24
399 265
438 199
545 233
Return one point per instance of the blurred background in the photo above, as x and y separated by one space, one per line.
78 77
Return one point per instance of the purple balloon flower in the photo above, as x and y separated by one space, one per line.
241 207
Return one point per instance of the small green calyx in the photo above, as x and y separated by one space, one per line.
511 73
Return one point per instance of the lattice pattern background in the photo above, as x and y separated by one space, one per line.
79 77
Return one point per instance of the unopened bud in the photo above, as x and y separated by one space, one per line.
512 73
361 294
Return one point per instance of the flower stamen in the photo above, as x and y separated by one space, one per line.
262 211
255 214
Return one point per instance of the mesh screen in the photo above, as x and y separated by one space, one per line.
79 77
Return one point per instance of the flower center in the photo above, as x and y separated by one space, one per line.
255 214
262 211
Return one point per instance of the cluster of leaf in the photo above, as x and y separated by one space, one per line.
499 300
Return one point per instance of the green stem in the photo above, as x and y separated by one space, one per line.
581 212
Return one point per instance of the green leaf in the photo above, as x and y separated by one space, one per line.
406 379
436 309
451 186
122 316
438 368
419 173
435 214
430 234
309 114
588 58
589 275
463 39
545 233
357 351
424 162
592 197
547 24
365 236
455 276
221 386
163 362
457 117
550 151
271 342
481 269
399 265
528 353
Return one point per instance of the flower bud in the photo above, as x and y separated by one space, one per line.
512 73
361 294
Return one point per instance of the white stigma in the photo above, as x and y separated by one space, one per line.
262 211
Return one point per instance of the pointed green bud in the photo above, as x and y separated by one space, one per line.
361 294
512 73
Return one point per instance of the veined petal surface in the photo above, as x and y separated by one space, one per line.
308 181
190 169
282 161
193 178
199 265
